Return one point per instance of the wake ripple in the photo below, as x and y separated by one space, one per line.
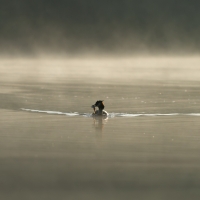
111 115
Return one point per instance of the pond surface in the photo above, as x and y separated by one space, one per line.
51 147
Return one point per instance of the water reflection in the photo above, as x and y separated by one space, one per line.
48 142
99 122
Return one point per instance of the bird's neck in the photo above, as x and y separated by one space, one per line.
101 107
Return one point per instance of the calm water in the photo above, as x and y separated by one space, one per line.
148 148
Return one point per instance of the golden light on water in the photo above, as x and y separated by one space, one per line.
101 69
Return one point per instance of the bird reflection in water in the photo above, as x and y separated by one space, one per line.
99 122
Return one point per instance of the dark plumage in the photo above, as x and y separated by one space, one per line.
101 111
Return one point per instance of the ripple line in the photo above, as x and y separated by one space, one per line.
111 115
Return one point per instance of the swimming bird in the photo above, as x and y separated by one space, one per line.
101 111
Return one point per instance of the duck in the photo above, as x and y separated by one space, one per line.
101 111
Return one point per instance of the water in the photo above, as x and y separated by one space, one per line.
51 147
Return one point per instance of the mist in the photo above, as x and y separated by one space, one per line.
76 27
129 70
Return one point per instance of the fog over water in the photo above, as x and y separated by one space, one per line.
101 69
